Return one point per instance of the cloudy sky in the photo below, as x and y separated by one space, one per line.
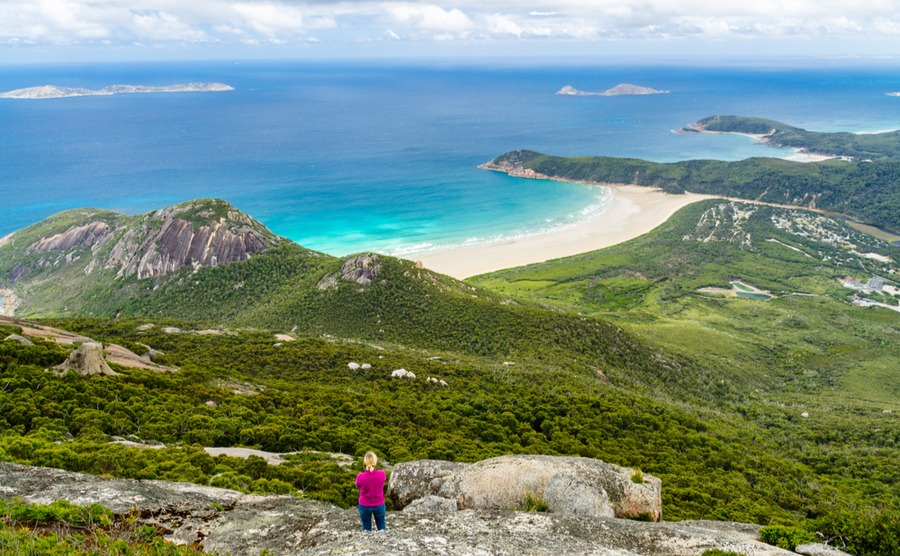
160 29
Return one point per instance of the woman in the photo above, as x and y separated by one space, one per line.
371 494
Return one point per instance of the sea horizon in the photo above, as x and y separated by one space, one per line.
351 157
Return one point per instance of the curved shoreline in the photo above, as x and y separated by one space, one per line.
632 211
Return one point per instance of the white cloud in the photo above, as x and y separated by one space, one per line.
36 22
428 17
164 26
497 24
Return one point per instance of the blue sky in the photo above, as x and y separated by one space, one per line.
79 30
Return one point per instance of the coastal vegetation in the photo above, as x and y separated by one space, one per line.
616 355
864 184
863 146
307 398
868 191
66 529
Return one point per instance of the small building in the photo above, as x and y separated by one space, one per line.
875 284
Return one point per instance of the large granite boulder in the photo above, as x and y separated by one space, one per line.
413 480
87 359
244 525
568 485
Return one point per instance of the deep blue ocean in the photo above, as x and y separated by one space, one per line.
348 157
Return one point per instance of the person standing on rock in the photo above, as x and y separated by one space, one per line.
371 494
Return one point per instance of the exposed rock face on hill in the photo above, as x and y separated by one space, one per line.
359 269
76 236
165 241
568 485
205 232
230 522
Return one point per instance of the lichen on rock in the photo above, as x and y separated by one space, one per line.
568 485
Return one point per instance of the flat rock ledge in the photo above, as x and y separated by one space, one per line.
239 524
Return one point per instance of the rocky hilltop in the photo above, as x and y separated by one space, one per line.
205 232
620 89
61 257
55 91
240 524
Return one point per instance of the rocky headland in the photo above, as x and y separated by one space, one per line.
55 91
244 524
620 89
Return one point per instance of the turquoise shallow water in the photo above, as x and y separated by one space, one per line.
344 158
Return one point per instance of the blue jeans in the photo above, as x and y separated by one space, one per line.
366 513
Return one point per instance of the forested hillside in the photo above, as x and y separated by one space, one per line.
641 355
867 146
244 388
796 343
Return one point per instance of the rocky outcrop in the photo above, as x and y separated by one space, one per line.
233 523
86 360
568 485
76 236
21 339
166 241
205 232
359 269
514 163
18 271
413 480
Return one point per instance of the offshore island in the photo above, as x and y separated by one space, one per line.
618 90
55 91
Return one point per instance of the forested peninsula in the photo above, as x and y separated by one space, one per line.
863 184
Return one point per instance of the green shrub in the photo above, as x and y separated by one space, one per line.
717 552
872 533
785 537
637 476
535 503
63 511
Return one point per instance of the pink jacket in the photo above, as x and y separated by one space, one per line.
371 487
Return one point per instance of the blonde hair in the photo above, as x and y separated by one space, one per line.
370 460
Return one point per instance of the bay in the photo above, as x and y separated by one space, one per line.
348 157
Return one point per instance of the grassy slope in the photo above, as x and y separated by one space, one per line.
649 285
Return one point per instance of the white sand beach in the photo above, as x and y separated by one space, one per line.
632 211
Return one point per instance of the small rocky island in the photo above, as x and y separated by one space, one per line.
620 89
55 91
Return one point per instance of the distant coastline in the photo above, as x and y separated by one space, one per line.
55 91
800 154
